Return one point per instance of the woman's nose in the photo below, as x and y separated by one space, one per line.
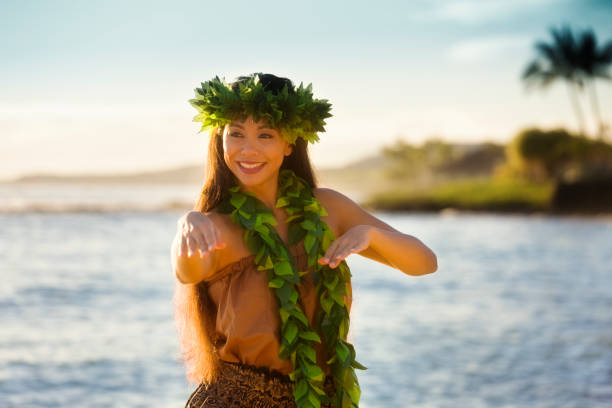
249 146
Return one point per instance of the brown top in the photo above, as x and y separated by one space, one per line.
248 321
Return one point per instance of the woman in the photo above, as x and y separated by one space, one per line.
263 293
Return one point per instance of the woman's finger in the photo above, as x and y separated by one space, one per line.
201 245
330 253
209 235
220 243
182 245
191 245
340 255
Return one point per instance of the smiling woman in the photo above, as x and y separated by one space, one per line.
254 149
263 291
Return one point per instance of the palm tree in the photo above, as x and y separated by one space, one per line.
557 60
594 63
577 61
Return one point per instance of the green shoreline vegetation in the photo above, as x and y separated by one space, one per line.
526 175
469 194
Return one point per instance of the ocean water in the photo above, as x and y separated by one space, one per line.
519 313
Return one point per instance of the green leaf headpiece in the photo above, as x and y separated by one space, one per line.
294 114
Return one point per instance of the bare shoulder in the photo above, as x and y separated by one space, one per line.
331 197
346 212
330 200
334 201
343 212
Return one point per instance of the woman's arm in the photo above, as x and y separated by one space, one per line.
385 244
192 258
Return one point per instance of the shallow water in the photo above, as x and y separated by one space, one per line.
517 315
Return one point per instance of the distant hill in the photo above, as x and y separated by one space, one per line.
180 175
359 178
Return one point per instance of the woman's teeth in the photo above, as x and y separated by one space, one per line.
250 166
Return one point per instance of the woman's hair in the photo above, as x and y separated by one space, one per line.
195 313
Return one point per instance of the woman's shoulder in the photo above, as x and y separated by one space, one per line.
333 200
329 196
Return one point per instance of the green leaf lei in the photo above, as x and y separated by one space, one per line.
295 114
272 255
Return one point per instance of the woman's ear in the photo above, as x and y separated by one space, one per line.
288 149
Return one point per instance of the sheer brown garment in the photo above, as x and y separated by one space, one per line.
247 318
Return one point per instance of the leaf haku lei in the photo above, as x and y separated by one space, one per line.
295 114
272 255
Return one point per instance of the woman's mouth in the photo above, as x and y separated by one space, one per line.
250 168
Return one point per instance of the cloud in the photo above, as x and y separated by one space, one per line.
489 48
474 11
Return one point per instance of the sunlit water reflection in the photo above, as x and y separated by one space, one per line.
519 313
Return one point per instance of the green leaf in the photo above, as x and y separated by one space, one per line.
260 254
268 240
314 400
355 393
292 217
309 242
330 281
267 265
290 332
263 230
283 294
283 268
300 389
317 389
347 402
310 335
283 314
342 351
276 283
245 214
337 298
268 218
358 365
282 201
308 225
326 303
294 296
313 372
237 200
296 234
309 353
298 314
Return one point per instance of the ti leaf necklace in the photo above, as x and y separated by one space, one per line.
271 255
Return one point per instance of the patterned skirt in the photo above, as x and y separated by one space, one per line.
243 385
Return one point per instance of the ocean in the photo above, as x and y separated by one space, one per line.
518 314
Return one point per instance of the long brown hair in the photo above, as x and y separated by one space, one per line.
195 312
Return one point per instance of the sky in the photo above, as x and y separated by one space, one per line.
102 87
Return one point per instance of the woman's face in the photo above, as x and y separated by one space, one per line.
253 151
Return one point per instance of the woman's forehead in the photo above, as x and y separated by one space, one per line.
241 124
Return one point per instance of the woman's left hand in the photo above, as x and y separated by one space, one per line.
352 241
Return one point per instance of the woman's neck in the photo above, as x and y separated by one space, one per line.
266 192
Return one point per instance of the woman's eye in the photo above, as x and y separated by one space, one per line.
264 135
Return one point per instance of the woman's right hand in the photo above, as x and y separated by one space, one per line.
196 232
